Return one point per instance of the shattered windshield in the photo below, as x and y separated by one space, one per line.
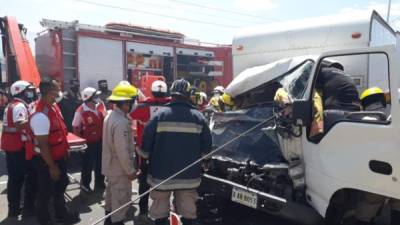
294 82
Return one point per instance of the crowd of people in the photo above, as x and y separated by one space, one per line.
128 137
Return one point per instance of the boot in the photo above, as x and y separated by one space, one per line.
162 221
118 223
107 221
187 221
395 217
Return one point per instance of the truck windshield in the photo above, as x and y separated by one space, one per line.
294 82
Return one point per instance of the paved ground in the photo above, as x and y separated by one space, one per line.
91 207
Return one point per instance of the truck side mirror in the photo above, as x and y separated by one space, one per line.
302 111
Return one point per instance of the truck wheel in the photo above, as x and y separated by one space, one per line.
335 215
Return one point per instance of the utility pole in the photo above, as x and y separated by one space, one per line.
388 12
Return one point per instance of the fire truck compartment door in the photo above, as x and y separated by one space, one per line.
99 59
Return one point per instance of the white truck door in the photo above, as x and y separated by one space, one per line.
356 153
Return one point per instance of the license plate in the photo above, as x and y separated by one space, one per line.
244 197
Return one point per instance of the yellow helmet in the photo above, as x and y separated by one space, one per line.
371 91
124 91
227 99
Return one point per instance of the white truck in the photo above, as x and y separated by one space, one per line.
278 168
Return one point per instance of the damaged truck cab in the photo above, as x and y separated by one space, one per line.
278 168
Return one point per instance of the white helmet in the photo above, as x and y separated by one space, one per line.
19 86
219 89
202 98
88 93
159 86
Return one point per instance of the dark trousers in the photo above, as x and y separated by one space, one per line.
143 187
48 188
92 159
20 172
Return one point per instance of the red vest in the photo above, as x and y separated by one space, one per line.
58 131
11 138
92 123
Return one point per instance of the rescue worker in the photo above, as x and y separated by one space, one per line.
70 101
118 158
142 114
13 138
49 147
317 125
227 103
369 204
88 124
104 92
215 100
338 92
373 99
175 137
199 99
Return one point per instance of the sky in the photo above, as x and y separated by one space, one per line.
213 21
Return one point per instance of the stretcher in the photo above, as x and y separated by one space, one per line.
76 143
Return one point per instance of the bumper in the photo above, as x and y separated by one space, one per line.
265 202
223 188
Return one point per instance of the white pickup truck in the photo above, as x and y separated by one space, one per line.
283 171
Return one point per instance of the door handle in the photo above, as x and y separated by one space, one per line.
380 167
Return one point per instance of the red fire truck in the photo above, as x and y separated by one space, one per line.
69 50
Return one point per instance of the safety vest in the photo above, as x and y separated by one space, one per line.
57 137
92 123
11 139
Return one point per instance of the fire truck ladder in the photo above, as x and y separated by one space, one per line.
57 24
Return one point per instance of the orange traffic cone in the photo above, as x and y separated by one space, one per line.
174 219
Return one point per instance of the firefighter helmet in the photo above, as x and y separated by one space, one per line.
219 90
181 87
227 99
372 95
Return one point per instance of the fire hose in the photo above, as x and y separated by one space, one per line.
187 167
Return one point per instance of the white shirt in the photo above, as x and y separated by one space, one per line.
77 121
40 124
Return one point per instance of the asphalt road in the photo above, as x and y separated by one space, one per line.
91 207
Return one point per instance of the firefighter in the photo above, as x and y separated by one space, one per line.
104 92
373 99
369 204
69 102
227 103
143 112
284 100
13 138
174 138
118 158
88 124
49 147
215 100
338 92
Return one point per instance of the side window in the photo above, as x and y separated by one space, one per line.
352 88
